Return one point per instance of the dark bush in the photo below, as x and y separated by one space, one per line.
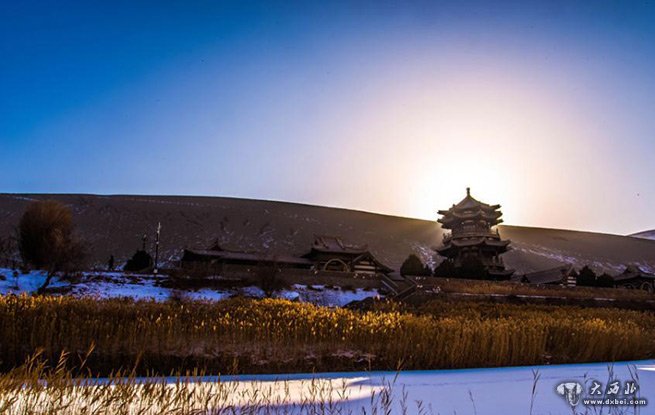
587 277
471 268
446 269
605 280
414 266
140 261
268 277
46 240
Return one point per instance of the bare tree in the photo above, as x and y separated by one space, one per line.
268 277
46 240
8 252
5 248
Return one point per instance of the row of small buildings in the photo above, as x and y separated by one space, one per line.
632 277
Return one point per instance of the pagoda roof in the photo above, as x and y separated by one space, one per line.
451 246
470 203
452 216
477 241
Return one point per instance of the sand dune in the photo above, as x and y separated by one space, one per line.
645 234
115 224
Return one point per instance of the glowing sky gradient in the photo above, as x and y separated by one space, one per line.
546 107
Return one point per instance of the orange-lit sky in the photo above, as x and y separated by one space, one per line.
544 107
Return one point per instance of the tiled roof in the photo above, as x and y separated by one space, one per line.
324 243
549 275
633 271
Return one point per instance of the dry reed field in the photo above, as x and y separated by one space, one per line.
35 388
279 336
467 286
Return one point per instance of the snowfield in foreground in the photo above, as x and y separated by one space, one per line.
493 391
144 287
500 391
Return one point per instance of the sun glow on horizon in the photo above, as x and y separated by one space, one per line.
392 108
499 136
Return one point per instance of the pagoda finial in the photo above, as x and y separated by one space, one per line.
468 191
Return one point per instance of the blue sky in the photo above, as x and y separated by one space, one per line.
392 107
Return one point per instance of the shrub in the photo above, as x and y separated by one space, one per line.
5 248
140 261
471 268
586 277
413 266
605 280
445 269
46 241
268 277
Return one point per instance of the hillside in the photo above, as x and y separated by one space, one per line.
115 224
645 234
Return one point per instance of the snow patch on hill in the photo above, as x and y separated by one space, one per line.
645 235
579 260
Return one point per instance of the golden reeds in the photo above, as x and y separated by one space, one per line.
268 335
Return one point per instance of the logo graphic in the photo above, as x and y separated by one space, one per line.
571 391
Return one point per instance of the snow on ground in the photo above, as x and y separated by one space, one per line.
319 294
645 235
16 283
579 260
143 287
492 391
495 391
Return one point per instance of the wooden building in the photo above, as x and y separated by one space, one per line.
564 276
635 278
242 258
328 254
473 235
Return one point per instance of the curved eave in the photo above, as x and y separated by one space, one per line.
456 244
369 256
450 221
471 212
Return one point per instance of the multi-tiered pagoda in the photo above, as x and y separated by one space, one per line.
473 237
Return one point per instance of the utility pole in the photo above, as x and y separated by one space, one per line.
157 247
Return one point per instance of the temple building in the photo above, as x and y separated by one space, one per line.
328 255
474 238
635 278
564 275
331 253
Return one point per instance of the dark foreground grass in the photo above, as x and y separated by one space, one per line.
278 336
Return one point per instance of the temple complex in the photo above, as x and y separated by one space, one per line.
473 237
328 255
